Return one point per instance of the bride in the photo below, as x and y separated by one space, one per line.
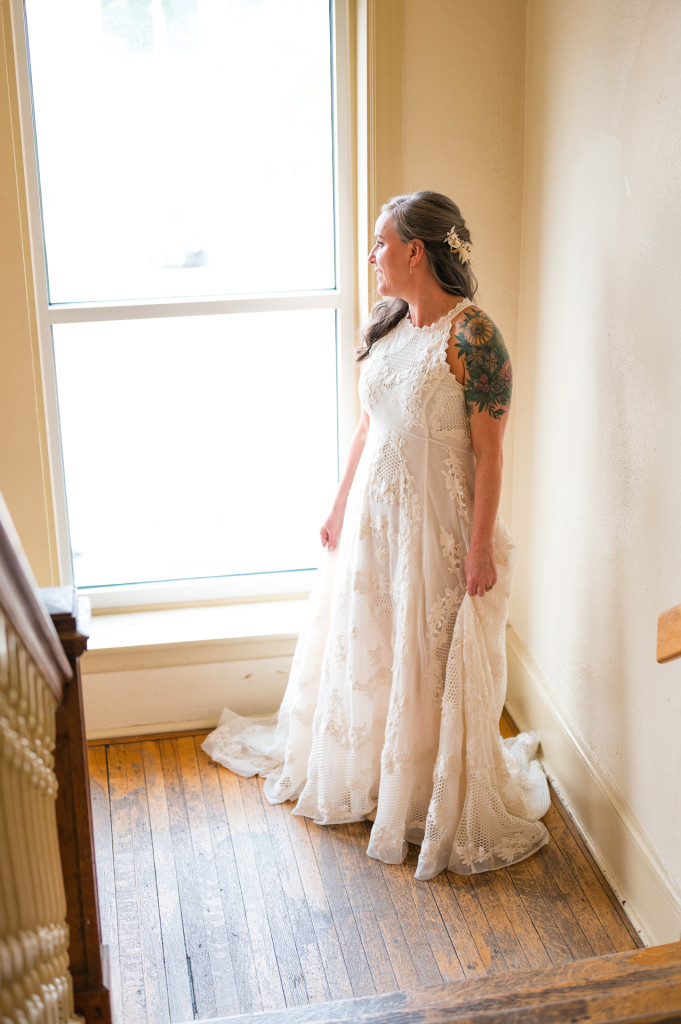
392 709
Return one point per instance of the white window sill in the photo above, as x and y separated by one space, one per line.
121 641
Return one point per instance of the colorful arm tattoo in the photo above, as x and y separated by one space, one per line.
489 377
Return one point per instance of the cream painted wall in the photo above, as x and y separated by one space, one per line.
24 475
597 482
463 75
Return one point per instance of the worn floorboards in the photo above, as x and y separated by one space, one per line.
214 903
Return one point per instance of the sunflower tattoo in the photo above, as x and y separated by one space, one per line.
489 377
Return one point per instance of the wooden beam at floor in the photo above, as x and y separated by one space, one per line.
636 987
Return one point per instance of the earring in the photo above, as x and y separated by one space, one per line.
411 269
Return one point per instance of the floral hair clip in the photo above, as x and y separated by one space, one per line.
457 245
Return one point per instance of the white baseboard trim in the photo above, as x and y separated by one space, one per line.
617 841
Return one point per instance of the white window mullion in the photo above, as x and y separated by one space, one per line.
96 312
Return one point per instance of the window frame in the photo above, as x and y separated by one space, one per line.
341 299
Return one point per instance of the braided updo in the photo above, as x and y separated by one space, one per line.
429 217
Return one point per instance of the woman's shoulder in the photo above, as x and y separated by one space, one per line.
475 319
473 328
479 344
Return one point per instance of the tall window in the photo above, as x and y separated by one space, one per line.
187 172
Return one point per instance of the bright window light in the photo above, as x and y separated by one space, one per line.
201 446
184 146
187 180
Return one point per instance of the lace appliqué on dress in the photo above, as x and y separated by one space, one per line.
392 707
455 481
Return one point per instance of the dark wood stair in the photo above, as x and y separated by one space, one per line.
634 987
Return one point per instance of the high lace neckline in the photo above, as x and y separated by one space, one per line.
445 318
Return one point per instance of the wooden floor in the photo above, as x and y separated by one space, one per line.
215 903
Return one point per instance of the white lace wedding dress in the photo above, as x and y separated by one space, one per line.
398 681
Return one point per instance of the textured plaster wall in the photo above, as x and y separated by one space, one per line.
462 134
24 478
597 469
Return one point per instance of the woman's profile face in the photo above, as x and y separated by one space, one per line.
390 258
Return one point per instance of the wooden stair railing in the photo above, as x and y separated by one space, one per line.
669 634
47 884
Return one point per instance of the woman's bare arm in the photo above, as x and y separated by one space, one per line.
488 435
334 522
488 383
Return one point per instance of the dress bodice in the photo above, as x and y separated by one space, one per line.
406 384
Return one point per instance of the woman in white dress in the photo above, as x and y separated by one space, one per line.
392 708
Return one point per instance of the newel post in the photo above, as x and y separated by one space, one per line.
70 616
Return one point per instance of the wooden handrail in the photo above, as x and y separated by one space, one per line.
669 634
23 609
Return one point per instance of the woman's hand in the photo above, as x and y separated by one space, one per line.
332 527
481 570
